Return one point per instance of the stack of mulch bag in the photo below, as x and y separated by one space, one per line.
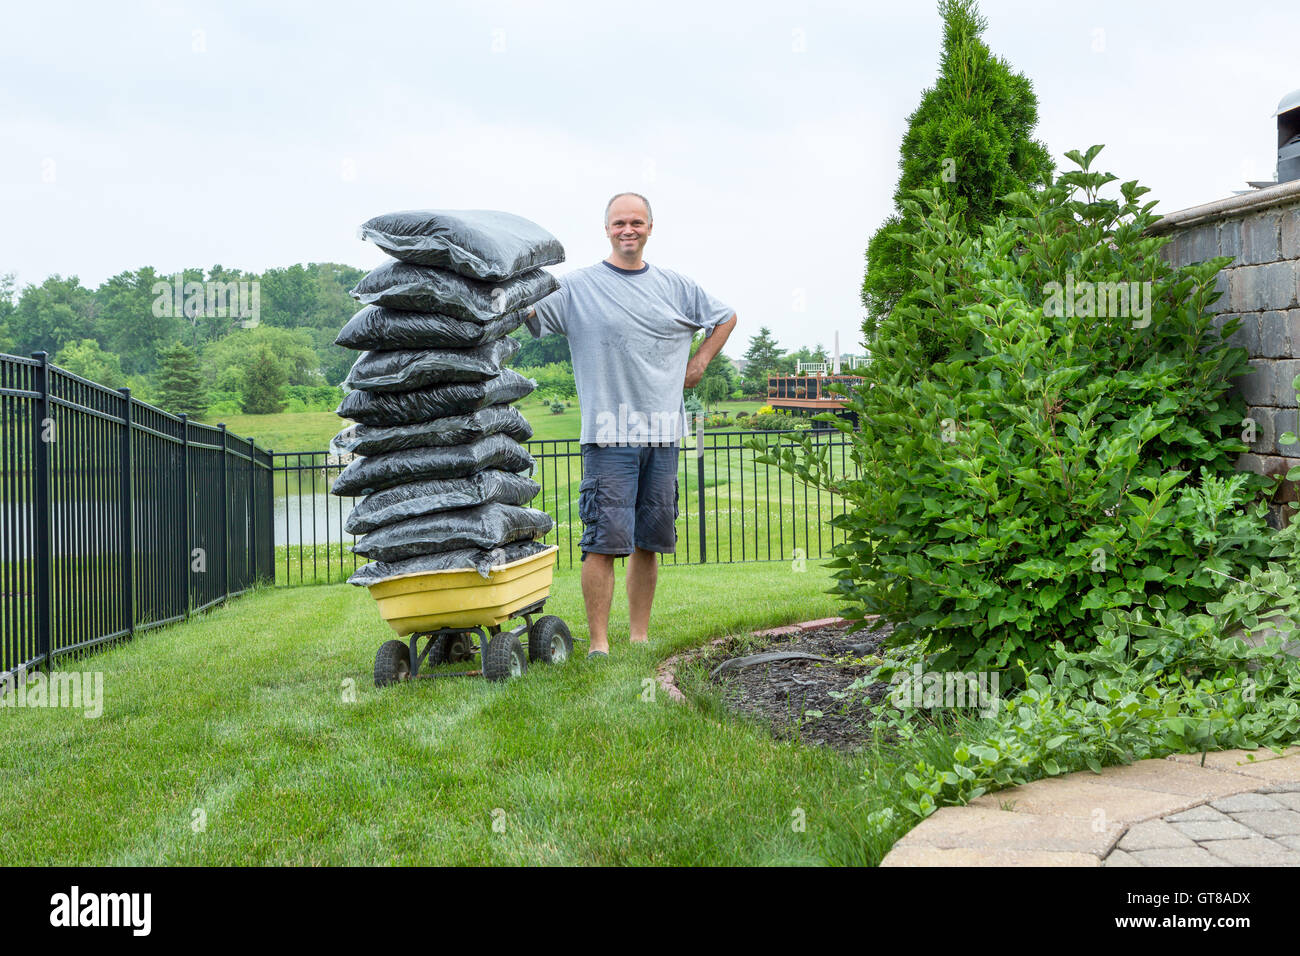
441 466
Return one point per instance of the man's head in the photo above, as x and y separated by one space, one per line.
628 223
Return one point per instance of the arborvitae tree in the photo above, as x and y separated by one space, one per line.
264 381
762 357
180 384
972 138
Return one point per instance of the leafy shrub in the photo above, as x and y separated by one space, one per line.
1051 466
557 407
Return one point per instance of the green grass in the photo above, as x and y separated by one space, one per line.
242 714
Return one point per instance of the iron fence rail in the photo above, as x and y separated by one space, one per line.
730 507
115 516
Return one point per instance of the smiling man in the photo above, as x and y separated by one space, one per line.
630 325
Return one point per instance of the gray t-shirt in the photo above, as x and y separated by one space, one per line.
630 336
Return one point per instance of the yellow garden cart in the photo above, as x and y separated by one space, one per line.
446 610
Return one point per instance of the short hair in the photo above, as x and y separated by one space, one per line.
649 215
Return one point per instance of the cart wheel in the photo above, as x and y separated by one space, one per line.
451 649
504 657
392 663
549 641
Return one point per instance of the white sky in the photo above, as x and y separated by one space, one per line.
257 135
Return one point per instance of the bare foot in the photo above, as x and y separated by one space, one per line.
639 640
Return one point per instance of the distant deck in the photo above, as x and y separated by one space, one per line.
808 395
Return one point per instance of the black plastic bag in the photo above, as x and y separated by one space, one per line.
481 243
486 526
376 327
478 559
367 475
401 370
400 285
451 430
415 498
438 401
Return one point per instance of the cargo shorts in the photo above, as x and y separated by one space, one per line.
628 498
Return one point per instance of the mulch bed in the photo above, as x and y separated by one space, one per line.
780 693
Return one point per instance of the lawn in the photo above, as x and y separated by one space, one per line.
254 735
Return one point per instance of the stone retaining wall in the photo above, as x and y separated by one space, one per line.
1261 231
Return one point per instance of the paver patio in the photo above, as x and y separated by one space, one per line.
1234 808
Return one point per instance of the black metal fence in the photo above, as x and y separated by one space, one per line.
115 516
730 507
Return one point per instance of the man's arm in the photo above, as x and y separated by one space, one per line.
710 347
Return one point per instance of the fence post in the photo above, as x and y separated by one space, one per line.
252 507
225 516
187 502
128 515
699 472
42 539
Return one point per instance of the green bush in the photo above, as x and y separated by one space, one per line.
1052 465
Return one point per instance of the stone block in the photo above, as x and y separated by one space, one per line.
1291 233
1286 420
1271 823
1201 814
1216 830
1179 856
1246 335
1243 802
977 828
1256 387
1154 835
1166 776
1293 330
1199 243
930 856
1265 437
1259 238
1230 238
1262 764
1254 852
1120 858
1284 376
1085 797
1274 335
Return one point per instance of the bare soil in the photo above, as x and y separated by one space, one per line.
782 693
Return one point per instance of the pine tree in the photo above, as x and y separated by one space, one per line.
762 357
972 138
264 381
180 385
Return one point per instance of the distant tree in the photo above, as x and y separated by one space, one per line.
85 358
761 358
719 380
264 381
180 384
7 294
972 138
131 322
50 315
547 350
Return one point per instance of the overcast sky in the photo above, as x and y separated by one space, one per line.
766 135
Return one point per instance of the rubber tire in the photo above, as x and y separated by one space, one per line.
392 663
502 651
541 638
444 650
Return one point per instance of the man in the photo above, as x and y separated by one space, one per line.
630 326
